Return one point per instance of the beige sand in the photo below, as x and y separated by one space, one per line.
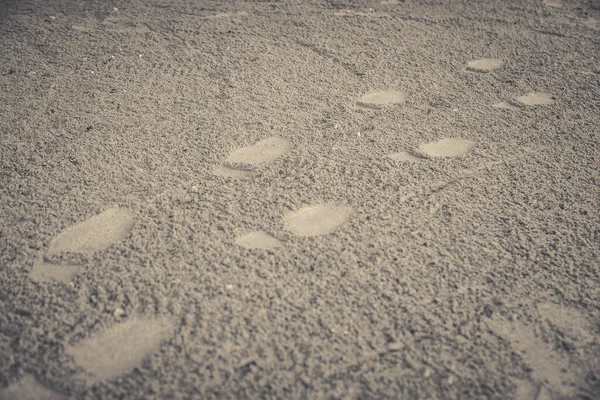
299 200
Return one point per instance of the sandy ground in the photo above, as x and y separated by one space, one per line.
329 199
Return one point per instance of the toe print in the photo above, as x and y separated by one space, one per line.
484 65
317 220
85 238
120 349
537 99
258 240
378 100
447 148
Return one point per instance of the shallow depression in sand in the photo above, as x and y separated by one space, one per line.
484 64
94 234
258 240
261 152
28 388
547 365
380 99
506 105
404 156
447 147
122 347
315 220
570 321
537 99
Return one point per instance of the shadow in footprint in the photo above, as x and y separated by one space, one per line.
121 348
316 220
95 234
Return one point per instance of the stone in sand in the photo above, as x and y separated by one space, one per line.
95 234
380 99
536 99
121 348
28 388
447 147
485 64
261 152
258 240
404 156
315 220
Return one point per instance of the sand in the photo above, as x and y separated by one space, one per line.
328 199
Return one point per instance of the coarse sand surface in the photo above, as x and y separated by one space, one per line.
328 199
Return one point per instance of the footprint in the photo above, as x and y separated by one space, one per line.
526 390
592 23
316 220
121 348
537 98
553 3
447 148
506 105
262 152
404 156
258 240
95 234
28 388
378 100
570 321
548 367
484 64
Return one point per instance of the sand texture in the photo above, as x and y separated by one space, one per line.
334 199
